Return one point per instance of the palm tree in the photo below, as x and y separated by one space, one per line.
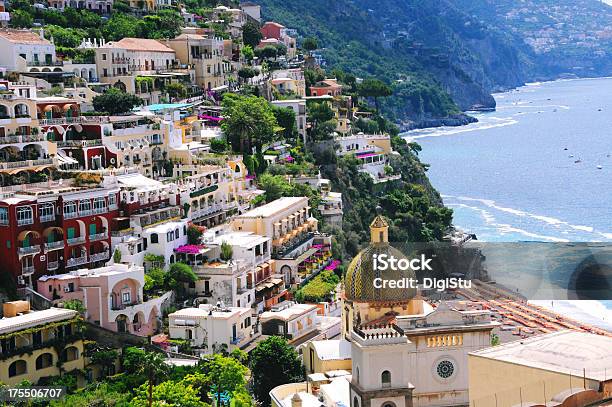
153 367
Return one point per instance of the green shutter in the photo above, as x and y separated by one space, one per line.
70 233
92 229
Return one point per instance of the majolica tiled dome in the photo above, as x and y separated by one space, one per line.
360 275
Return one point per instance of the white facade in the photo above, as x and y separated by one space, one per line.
417 358
21 48
209 327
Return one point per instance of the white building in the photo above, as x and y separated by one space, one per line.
289 320
210 328
22 48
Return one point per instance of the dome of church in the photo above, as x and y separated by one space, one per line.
360 275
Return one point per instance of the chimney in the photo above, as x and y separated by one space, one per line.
41 32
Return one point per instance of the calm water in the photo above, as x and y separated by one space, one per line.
514 177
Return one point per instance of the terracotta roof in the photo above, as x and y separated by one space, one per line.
141 44
274 24
23 37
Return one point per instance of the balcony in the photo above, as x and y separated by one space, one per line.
26 270
47 218
122 306
85 212
25 164
241 290
25 221
75 240
98 236
78 119
99 257
96 211
52 265
76 261
237 339
24 251
54 245
70 215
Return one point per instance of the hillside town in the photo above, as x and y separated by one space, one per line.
168 237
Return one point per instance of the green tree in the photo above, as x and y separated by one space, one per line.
153 366
97 394
117 256
248 121
246 73
285 117
321 116
219 146
21 19
167 393
177 276
274 362
194 234
131 358
120 26
154 279
226 251
75 305
105 359
374 88
115 101
251 35
248 53
310 44
176 90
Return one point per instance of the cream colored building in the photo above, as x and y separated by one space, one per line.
20 49
566 368
289 320
206 55
299 250
209 327
30 342
328 355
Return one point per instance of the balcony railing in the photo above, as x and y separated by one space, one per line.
122 306
71 215
98 236
237 339
85 212
25 221
78 119
47 218
54 245
75 240
76 261
99 257
25 164
52 265
99 210
27 270
24 251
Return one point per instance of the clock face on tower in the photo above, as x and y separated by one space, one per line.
445 369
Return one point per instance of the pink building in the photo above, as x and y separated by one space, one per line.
112 295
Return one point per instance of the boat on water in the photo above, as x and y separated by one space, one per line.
599 167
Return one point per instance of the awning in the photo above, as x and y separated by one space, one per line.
305 255
64 159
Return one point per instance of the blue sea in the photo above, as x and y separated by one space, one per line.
539 168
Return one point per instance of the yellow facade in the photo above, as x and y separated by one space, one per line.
314 364
503 384
34 358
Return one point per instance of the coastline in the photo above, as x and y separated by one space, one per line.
461 119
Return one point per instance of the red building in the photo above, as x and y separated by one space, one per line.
327 87
52 227
272 30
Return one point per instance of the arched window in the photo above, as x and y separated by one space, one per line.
355 402
386 378
44 361
154 238
357 374
70 353
18 368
